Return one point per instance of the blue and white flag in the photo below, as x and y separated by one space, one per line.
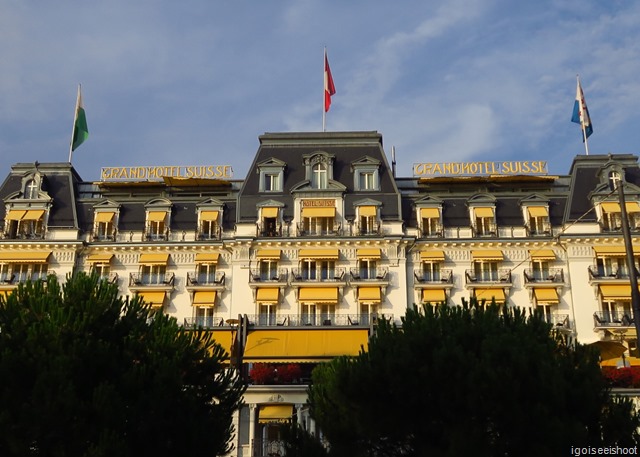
581 113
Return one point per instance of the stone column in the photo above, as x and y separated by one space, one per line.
252 427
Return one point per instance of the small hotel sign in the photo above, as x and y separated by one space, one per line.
538 167
315 203
157 173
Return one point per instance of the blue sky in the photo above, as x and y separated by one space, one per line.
196 82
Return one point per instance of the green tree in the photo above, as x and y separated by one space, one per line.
86 373
458 381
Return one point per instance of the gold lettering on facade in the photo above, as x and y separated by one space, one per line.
318 203
480 168
159 172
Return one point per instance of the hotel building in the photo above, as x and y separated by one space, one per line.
297 262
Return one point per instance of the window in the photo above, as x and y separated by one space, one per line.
24 271
617 312
431 271
319 177
538 220
206 273
367 268
314 270
366 310
156 225
367 180
5 275
104 226
271 175
153 274
267 314
102 269
270 223
272 182
540 270
545 309
486 271
268 270
484 221
365 174
209 228
429 219
204 316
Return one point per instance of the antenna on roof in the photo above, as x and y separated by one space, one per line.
393 161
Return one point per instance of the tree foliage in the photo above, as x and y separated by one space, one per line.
86 373
467 381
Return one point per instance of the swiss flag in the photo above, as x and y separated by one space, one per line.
329 88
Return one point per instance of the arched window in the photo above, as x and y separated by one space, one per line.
319 176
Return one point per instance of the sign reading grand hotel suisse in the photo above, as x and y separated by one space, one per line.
159 172
536 167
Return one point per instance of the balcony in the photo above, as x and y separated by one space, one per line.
161 280
162 236
444 276
599 274
550 276
358 275
315 320
204 322
104 237
613 319
486 230
500 276
374 229
281 275
206 235
435 230
558 321
330 275
195 279
332 230
269 230
540 230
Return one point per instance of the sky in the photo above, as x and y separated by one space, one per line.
197 82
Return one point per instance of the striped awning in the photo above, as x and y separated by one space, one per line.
367 211
319 295
204 298
267 295
154 259
432 256
368 253
318 254
487 254
546 295
434 296
207 257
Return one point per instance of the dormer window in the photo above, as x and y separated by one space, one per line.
104 225
537 220
429 222
208 227
319 179
483 221
365 174
611 216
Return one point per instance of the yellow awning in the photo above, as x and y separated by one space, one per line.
303 344
270 212
267 295
488 254
15 215
610 207
429 213
319 295
368 253
433 296
369 294
616 291
542 254
318 254
538 211
33 215
156 216
204 298
632 207
319 212
483 211
99 258
209 215
432 256
268 254
24 257
207 257
154 259
614 251
153 298
104 216
223 336
367 211
275 413
547 295
488 294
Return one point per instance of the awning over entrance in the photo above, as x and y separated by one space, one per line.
302 344
268 254
318 254
547 295
433 296
488 294
319 295
488 254
369 294
25 257
207 257
204 298
432 256
275 413
319 212
615 291
267 295
154 259
542 254
368 253
153 298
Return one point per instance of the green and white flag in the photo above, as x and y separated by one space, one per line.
80 130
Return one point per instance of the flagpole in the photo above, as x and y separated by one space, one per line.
73 125
324 88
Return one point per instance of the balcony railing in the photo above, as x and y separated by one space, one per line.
367 229
613 319
204 279
315 320
301 275
280 275
334 230
204 322
361 274
502 275
553 275
152 236
268 448
604 274
214 234
269 231
557 320
444 276
101 236
544 229
141 279
434 231
484 231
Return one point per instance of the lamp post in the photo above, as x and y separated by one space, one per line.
628 246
